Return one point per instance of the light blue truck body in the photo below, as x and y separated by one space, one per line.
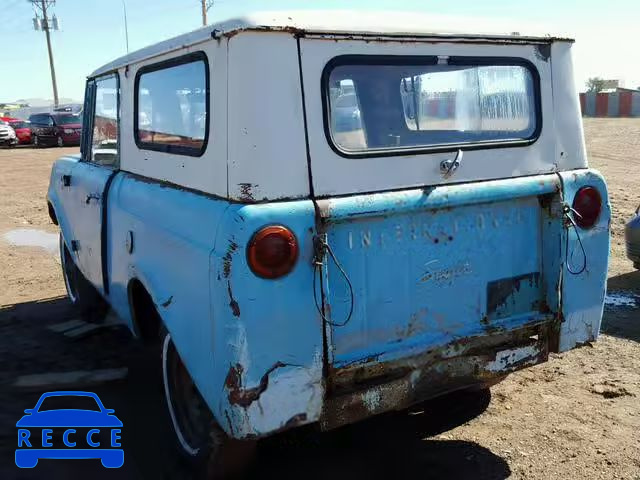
409 282
469 265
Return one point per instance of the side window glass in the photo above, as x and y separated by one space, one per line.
49 121
104 140
172 106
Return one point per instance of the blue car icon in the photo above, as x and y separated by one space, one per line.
89 430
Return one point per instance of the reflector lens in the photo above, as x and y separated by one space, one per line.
272 252
588 204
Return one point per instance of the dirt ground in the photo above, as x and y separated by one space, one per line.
577 416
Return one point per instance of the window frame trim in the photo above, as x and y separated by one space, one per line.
191 57
87 120
386 60
91 120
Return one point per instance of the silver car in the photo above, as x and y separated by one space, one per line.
7 134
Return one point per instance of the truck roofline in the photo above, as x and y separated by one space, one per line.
340 23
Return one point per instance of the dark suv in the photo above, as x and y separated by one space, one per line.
56 129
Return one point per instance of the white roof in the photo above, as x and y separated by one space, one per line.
340 22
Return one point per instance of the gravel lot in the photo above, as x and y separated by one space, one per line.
577 416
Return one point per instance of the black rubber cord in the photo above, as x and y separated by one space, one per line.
317 264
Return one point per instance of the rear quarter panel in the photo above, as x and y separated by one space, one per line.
267 333
583 294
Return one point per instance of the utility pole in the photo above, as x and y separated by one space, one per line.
206 5
126 27
46 25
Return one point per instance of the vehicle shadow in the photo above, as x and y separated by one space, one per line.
56 309
623 320
390 446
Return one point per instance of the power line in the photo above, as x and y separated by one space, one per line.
46 25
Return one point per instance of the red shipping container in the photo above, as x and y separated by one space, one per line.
583 103
602 105
626 100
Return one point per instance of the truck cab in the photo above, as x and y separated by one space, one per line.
318 218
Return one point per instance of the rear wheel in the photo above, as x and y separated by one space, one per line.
82 294
199 439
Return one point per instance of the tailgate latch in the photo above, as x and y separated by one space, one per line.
448 167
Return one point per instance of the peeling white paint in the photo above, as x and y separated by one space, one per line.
292 391
507 358
371 399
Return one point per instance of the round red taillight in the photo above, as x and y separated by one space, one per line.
272 251
588 204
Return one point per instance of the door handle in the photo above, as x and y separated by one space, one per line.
66 180
92 196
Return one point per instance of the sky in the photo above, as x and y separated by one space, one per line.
92 33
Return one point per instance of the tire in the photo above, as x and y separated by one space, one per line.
199 440
36 141
60 142
93 308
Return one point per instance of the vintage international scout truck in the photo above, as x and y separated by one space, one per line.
319 218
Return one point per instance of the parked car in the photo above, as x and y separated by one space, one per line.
346 114
59 129
22 129
286 277
632 238
7 135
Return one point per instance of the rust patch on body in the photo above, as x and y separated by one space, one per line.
361 390
246 192
235 308
499 291
227 260
246 396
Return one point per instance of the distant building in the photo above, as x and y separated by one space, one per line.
611 85
615 102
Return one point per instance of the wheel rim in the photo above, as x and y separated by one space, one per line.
60 142
188 411
68 272
35 140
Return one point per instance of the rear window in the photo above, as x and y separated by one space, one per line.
172 106
429 103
